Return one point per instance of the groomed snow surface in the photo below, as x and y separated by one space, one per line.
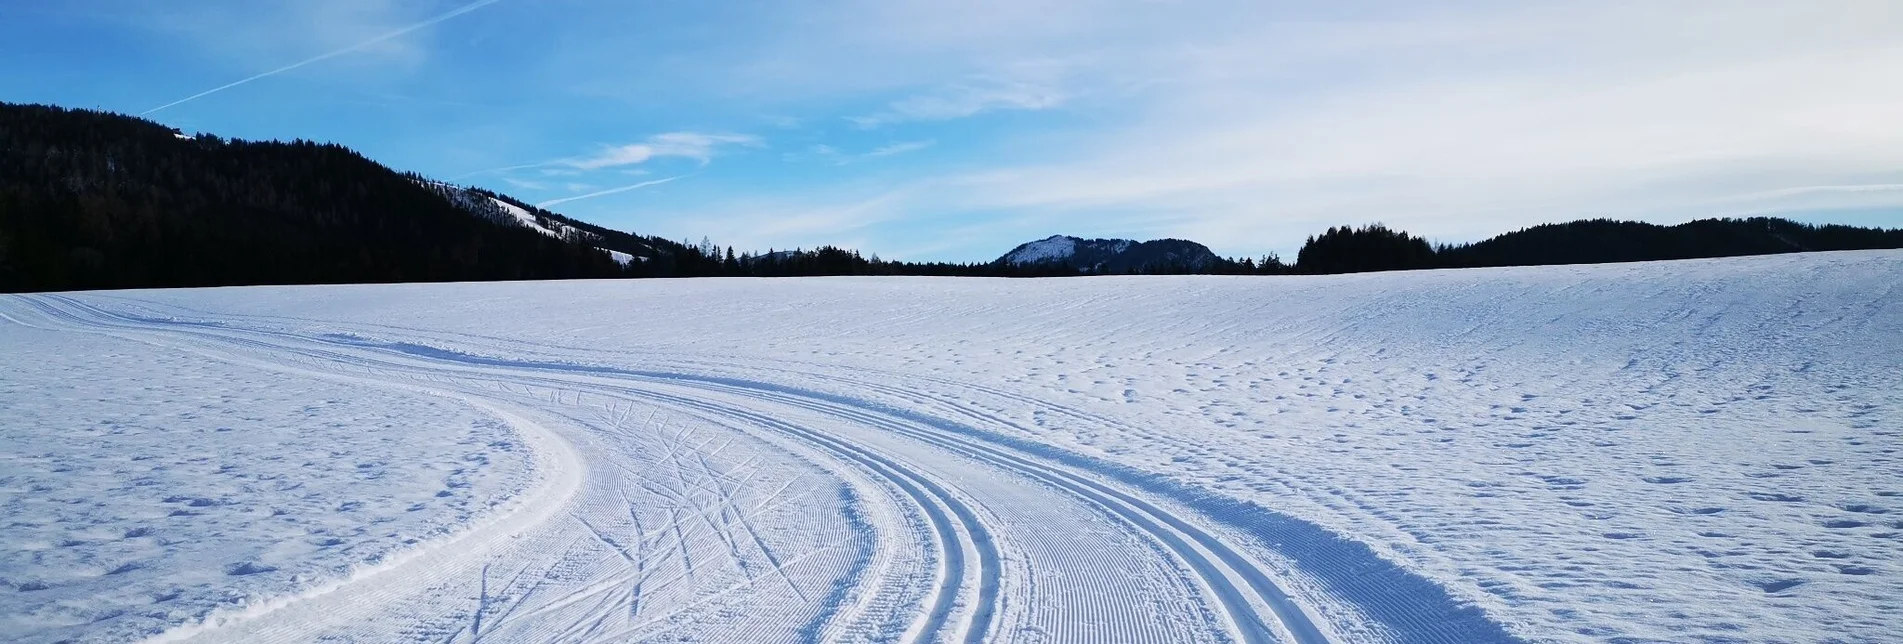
1680 451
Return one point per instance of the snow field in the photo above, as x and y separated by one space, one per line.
1678 451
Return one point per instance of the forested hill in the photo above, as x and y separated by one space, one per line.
1115 256
1599 241
90 200
1592 241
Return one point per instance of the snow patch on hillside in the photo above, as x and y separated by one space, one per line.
504 212
1056 247
528 220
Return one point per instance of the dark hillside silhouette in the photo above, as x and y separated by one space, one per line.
1369 248
1594 241
90 200
1603 240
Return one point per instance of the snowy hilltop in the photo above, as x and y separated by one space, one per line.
1113 256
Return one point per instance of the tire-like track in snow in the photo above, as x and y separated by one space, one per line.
965 601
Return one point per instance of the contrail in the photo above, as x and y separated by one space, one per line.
609 191
524 166
451 14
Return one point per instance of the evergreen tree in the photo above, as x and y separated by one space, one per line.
1370 248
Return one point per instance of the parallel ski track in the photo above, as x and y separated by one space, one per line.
1382 599
957 527
1234 580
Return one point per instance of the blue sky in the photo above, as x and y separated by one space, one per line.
955 130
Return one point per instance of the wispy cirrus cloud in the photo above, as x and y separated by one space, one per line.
964 100
835 156
899 148
701 147
698 146
1807 191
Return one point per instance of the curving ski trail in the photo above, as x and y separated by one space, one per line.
671 533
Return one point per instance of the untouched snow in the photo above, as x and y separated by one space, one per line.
1682 451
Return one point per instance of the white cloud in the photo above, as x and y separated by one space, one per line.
1806 191
690 145
835 156
964 100
899 148
699 146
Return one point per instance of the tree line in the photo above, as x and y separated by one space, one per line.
1593 241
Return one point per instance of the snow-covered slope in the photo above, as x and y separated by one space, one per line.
1686 451
504 212
1053 248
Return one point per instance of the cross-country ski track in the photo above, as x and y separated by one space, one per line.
637 533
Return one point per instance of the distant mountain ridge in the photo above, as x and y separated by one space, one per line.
1113 256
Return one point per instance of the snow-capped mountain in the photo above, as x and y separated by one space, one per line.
1110 255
